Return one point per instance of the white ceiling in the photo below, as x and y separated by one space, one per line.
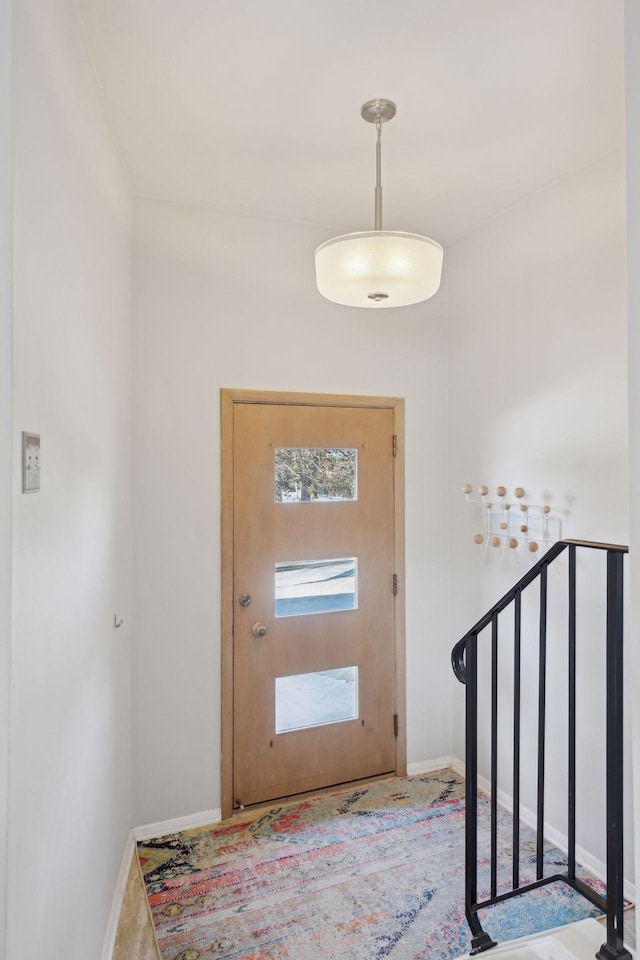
254 105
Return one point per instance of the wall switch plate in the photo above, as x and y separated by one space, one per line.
30 462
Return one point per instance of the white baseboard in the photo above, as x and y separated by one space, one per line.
458 766
118 897
163 827
558 839
428 766
147 832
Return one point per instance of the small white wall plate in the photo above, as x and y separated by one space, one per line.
30 462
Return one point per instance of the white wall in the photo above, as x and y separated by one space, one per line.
70 774
537 344
536 396
230 301
632 47
6 123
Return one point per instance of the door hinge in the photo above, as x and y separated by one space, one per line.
395 584
396 725
394 445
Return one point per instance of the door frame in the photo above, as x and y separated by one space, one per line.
228 399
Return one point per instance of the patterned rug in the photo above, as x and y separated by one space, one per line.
364 874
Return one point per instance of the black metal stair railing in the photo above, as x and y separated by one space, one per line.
464 658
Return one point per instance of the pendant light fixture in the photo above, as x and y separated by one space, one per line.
378 268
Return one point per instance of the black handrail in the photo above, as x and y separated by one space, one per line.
464 659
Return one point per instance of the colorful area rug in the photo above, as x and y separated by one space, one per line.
364 874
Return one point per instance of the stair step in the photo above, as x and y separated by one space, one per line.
576 941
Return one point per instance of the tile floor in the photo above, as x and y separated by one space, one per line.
135 939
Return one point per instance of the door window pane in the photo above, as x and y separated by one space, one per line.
315 586
313 699
315 474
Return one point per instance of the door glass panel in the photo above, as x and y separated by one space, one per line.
313 699
315 586
315 474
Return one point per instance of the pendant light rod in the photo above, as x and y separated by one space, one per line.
378 200
378 111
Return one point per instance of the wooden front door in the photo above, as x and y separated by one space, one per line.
313 601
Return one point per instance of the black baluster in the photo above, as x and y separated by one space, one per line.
614 948
480 940
542 689
516 737
494 755
571 847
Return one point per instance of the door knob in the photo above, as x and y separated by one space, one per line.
258 629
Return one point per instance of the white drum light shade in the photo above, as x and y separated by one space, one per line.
380 268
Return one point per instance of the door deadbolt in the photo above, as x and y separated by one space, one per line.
259 629
245 599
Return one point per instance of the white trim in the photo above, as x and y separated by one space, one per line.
164 827
458 767
118 898
558 839
428 766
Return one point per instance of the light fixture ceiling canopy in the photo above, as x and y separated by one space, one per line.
378 268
